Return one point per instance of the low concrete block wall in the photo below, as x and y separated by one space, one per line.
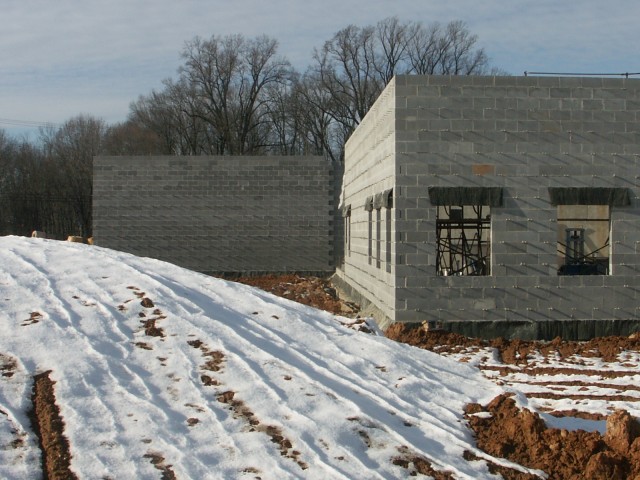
220 215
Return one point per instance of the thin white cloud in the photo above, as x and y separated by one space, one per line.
94 50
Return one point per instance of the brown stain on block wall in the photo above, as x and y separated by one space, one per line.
483 169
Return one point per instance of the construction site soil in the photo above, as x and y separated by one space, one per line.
501 428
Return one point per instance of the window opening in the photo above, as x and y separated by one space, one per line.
378 236
347 230
368 206
370 252
463 240
388 239
583 239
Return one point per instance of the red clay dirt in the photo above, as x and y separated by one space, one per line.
515 352
522 437
49 428
308 290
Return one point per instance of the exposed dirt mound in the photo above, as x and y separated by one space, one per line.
313 291
606 348
503 430
158 462
433 340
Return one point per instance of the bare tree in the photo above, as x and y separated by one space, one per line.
451 50
461 57
284 117
130 138
425 49
158 113
346 68
393 38
32 196
193 135
230 77
71 149
311 105
357 63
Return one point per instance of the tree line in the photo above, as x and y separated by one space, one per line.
232 95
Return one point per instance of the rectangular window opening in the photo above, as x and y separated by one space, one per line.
378 236
388 239
583 245
370 249
463 236
347 231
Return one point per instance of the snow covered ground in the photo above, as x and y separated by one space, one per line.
157 367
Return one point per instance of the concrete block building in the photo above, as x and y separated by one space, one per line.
497 205
219 215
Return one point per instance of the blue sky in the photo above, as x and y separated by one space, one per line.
66 57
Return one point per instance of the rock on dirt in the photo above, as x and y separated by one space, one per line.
522 437
503 430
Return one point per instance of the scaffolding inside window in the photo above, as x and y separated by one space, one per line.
463 240
583 239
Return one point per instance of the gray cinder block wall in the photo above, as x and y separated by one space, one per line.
219 215
369 169
524 135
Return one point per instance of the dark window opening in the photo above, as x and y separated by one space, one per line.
388 239
583 239
368 206
347 229
378 235
377 202
370 249
463 240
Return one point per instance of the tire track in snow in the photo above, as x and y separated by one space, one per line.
76 404
322 376
18 444
363 399
49 427
40 287
182 361
238 351
141 278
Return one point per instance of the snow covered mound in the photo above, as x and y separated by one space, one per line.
160 371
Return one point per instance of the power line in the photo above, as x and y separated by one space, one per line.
569 74
27 123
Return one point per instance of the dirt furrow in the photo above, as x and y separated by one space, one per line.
568 396
578 383
504 370
49 427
